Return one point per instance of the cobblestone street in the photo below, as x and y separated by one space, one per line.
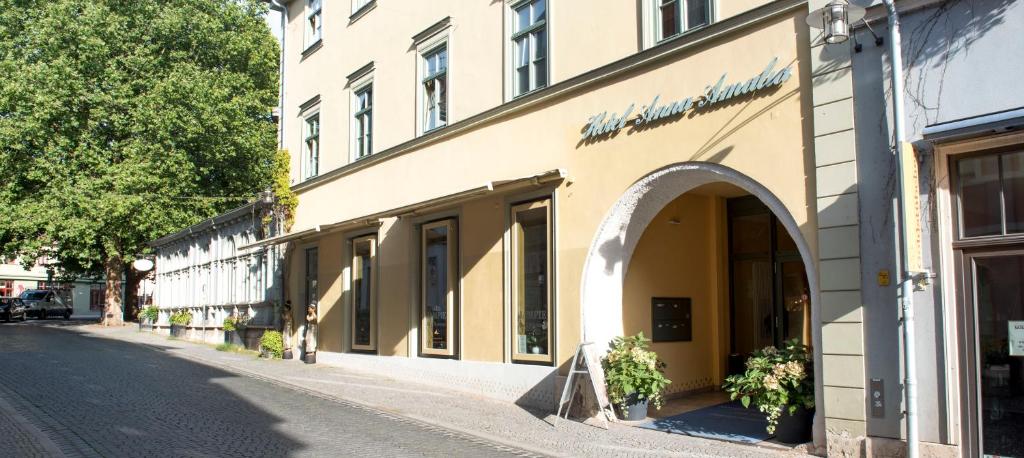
66 393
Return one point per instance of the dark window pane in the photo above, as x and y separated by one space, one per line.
522 18
752 305
796 303
538 10
362 273
311 276
669 18
979 196
999 290
1013 191
783 242
540 70
697 13
751 234
435 279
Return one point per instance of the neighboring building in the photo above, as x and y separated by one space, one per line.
85 295
961 61
205 270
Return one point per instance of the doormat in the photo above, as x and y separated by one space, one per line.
729 421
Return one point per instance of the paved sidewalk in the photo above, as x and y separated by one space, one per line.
464 413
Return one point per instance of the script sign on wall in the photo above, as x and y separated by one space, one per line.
606 123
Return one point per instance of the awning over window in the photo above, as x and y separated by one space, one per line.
426 206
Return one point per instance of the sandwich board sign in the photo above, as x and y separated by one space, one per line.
586 362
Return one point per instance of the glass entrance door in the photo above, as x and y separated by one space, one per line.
997 290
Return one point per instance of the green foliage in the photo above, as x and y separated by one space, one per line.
181 318
272 343
229 324
236 322
630 368
150 314
232 348
285 200
120 119
775 379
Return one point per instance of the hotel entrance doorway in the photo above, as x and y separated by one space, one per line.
769 293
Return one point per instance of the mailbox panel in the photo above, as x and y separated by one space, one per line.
671 319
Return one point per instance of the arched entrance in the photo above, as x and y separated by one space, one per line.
620 232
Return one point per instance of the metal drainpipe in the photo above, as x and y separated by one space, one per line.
907 280
276 5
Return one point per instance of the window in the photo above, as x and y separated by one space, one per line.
677 16
991 194
6 288
364 252
358 5
439 277
97 297
314 22
311 148
435 88
363 121
529 46
311 276
531 281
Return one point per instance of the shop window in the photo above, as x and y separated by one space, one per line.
990 192
531 282
364 334
439 280
6 288
314 22
97 297
435 88
529 46
362 121
312 274
673 17
311 147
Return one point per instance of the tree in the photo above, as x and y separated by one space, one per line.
124 120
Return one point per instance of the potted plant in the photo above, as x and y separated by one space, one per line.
179 322
634 375
780 382
271 345
234 329
148 317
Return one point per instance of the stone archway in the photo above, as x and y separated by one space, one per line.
619 233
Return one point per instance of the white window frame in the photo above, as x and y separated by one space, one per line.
313 35
358 88
426 49
358 5
372 240
452 294
309 166
652 20
511 34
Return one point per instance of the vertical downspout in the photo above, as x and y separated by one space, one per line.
908 277
277 252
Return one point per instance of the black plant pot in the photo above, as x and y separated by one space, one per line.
178 331
796 428
635 410
287 354
310 358
233 338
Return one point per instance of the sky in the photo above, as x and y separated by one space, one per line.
274 21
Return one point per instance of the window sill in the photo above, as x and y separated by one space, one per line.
362 12
312 48
433 129
531 91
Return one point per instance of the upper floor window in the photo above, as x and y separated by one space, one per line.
311 148
435 88
358 5
363 121
677 16
529 46
314 22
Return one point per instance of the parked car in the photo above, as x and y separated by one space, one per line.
12 308
43 304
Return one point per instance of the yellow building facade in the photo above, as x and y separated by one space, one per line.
585 166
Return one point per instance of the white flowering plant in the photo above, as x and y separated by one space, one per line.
633 371
776 379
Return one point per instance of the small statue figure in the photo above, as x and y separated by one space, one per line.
311 331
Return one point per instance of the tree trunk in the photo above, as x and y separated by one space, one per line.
132 278
112 308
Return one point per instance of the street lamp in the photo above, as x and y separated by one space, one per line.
834 19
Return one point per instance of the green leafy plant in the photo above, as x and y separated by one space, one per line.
181 318
272 343
630 369
776 379
151 314
236 323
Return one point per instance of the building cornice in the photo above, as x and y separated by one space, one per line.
666 50
208 224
